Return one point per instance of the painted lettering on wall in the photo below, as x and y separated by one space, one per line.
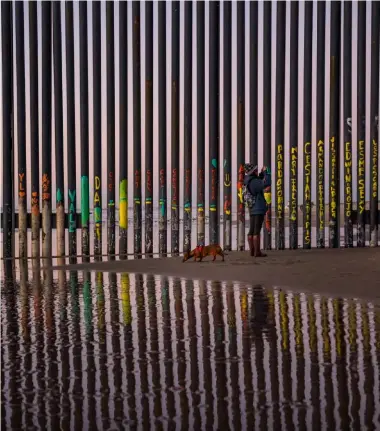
348 178
174 189
35 204
280 182
375 174
321 184
149 185
149 188
213 189
97 209
21 185
45 187
227 184
96 194
349 124
333 179
293 183
111 182
227 205
361 176
162 178
307 192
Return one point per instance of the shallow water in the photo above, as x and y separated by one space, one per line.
131 351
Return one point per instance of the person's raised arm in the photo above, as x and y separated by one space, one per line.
267 179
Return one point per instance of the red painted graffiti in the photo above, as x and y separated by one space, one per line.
21 185
241 175
201 176
227 205
111 181
137 178
149 186
162 178
45 187
213 184
241 212
35 203
174 185
187 182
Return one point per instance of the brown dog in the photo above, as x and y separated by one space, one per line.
202 251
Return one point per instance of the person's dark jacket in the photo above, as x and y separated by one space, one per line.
256 186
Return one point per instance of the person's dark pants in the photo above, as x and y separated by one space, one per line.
255 224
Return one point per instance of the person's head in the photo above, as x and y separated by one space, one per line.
251 169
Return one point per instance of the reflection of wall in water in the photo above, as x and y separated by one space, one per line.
162 347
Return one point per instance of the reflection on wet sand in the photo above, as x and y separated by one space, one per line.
105 351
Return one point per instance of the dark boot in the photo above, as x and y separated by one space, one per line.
251 245
256 246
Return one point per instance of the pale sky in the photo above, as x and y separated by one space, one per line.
234 96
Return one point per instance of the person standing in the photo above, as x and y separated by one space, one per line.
256 185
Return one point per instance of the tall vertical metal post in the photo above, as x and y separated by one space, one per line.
307 105
97 100
7 100
21 133
280 117
149 129
58 129
240 125
334 180
267 108
175 130
123 163
227 135
347 115
321 49
200 123
110 54
46 129
214 122
162 144
34 133
84 139
253 85
71 147
293 156
374 123
188 107
361 85
136 128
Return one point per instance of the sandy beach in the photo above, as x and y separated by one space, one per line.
336 272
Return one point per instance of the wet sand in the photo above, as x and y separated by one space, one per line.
340 272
